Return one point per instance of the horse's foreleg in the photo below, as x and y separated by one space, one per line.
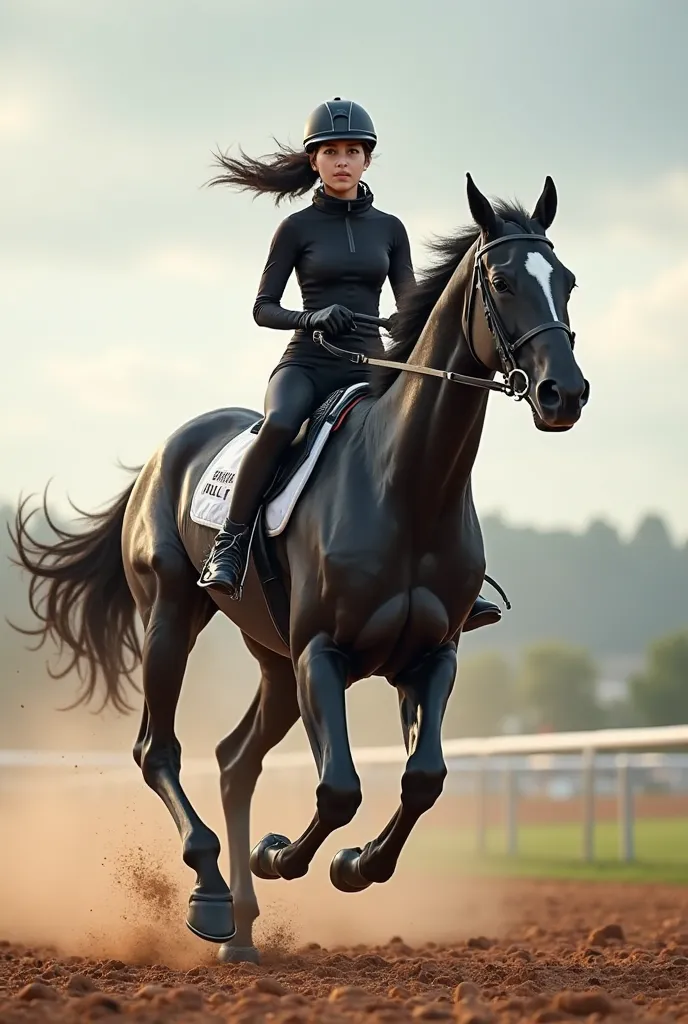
240 756
321 675
423 695
171 629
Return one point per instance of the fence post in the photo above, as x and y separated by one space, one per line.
588 788
625 808
511 809
481 804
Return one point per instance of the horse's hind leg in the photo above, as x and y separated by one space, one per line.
423 695
272 713
178 612
141 738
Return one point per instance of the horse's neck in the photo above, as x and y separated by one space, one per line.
427 431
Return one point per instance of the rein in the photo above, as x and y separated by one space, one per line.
506 349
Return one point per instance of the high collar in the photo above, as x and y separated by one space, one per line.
343 207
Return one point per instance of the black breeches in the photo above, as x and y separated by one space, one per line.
293 394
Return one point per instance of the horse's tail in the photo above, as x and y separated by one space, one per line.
79 593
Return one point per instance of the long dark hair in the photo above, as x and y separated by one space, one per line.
286 174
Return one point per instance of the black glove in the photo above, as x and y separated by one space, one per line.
392 322
333 320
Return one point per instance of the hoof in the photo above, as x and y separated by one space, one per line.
228 954
263 855
211 917
345 872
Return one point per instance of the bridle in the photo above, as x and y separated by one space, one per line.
505 347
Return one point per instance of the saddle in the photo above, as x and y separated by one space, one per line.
212 496
332 412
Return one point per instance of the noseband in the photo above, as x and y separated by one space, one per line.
504 346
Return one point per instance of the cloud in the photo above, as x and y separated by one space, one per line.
647 323
118 380
636 215
111 111
656 199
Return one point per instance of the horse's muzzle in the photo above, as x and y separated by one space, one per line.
556 407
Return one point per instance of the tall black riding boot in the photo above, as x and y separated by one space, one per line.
225 567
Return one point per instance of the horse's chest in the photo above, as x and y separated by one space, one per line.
380 602
384 633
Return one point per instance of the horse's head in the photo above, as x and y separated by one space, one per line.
522 325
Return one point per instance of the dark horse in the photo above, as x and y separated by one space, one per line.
382 559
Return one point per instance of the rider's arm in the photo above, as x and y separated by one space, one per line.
267 309
401 276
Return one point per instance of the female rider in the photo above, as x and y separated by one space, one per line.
342 249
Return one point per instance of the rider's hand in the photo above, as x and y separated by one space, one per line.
333 320
392 322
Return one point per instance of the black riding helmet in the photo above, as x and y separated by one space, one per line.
339 119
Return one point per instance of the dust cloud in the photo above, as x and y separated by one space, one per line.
91 865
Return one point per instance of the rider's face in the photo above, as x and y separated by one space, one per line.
341 164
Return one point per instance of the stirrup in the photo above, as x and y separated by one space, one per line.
493 583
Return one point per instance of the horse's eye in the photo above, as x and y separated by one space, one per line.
500 285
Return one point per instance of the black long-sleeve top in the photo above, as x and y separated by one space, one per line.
342 252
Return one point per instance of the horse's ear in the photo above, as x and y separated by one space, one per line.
546 206
483 214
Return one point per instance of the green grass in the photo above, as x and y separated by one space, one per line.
555 851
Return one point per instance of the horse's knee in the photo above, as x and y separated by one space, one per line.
150 769
225 752
337 805
239 775
422 787
239 757
158 763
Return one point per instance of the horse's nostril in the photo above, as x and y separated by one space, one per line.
586 394
548 394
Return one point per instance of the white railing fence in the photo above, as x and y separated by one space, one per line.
617 750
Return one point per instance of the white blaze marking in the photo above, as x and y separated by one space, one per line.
540 268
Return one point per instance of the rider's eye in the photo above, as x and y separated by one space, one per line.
500 285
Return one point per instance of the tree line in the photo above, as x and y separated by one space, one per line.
579 599
555 687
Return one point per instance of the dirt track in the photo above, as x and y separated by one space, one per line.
543 966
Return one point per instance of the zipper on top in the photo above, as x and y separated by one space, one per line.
349 233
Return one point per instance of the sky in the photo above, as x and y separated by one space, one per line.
126 286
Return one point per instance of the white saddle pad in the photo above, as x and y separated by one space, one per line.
213 493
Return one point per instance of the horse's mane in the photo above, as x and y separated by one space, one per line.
417 303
